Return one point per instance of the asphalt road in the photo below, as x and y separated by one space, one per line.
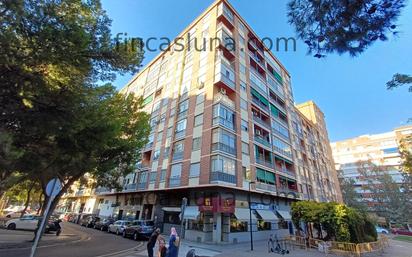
90 243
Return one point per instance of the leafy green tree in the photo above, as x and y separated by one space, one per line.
389 198
350 196
399 80
55 109
27 193
343 26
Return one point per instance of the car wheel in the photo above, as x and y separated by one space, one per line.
135 237
11 226
124 234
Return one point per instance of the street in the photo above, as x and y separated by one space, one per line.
75 241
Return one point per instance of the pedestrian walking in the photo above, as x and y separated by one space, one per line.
173 243
162 246
152 242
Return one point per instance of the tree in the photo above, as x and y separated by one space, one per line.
55 108
350 196
349 26
388 196
399 80
27 193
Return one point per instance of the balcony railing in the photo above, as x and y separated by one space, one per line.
256 59
289 172
264 162
130 187
224 99
141 186
225 123
174 182
262 141
258 103
266 187
220 76
102 190
218 176
281 151
224 148
261 122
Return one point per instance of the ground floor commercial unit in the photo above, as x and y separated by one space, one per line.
212 214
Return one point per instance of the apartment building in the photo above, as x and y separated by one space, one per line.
226 135
381 149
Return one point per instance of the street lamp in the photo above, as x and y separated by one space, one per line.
250 217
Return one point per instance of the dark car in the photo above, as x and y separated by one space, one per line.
139 229
86 219
103 224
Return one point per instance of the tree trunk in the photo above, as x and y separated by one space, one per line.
26 204
40 204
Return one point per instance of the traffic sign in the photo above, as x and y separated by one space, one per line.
53 187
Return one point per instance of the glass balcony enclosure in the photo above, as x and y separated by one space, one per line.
223 116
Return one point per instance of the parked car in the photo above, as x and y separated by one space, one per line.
103 225
118 226
401 231
381 230
139 229
89 221
85 219
15 214
27 222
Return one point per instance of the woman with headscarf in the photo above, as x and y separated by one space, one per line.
173 243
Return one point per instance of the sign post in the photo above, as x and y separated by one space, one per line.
182 218
53 188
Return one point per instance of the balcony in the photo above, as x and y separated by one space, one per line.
265 162
288 191
102 190
259 61
224 99
266 187
130 187
141 186
224 75
225 15
223 122
283 152
224 148
260 121
218 176
263 141
260 104
288 172
174 182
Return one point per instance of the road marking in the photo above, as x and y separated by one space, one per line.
46 246
122 251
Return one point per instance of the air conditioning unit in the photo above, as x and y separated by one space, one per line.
258 133
223 91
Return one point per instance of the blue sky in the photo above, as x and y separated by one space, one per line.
350 91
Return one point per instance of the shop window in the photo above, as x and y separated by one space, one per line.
237 225
264 225
197 224
283 224
171 218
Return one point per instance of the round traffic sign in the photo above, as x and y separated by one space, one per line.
53 187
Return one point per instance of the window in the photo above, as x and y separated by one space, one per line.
180 128
194 170
156 155
152 176
264 225
223 116
198 120
243 104
237 225
223 164
198 223
242 68
246 173
244 125
176 170
163 175
223 140
245 148
159 136
197 141
200 98
242 86
183 106
169 132
178 147
280 129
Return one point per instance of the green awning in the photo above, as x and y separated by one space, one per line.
278 77
274 110
148 100
260 97
260 174
270 177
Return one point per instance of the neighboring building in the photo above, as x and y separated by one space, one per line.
220 119
381 149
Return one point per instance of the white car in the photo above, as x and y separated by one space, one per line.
14 214
27 222
381 230
118 226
